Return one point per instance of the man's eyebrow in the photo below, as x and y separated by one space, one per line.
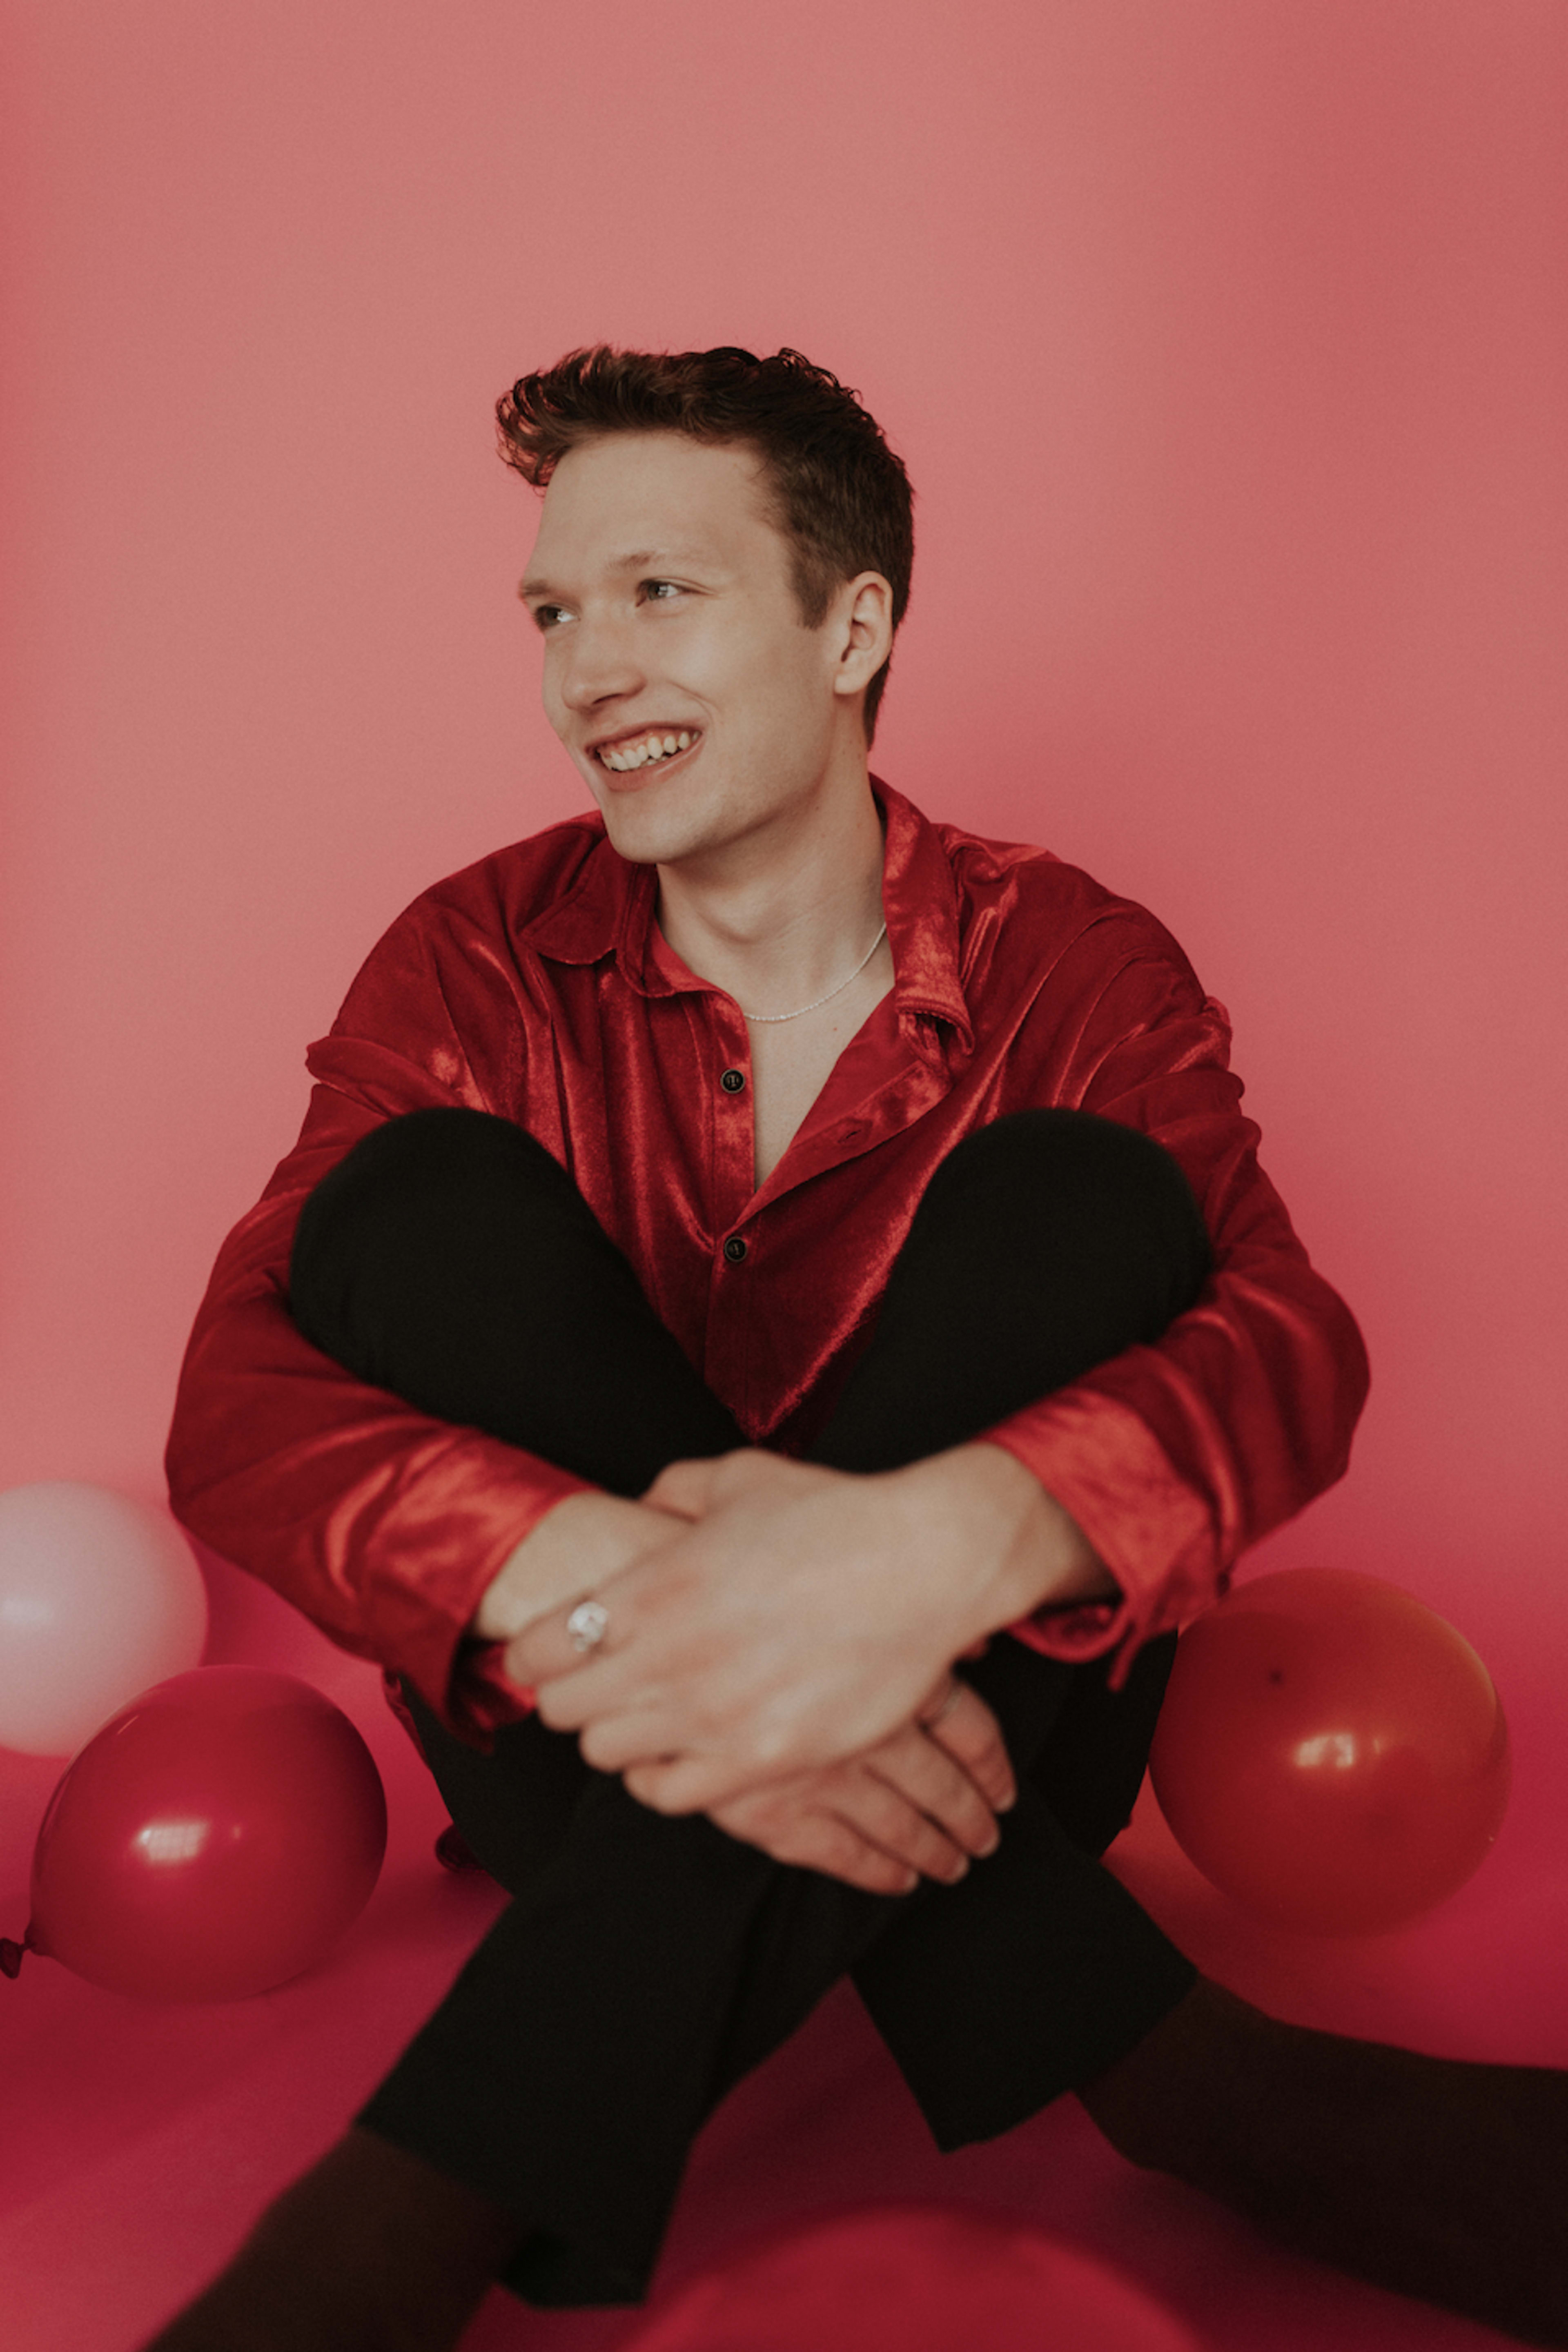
635 560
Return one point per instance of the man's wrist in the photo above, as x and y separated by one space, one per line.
1025 1549
580 1541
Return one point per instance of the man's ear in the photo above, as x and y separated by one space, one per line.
863 626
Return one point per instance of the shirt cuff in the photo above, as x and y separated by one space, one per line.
425 1621
1105 1468
481 1698
483 1693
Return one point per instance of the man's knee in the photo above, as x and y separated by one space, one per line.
1072 1154
388 1194
407 1161
1070 1189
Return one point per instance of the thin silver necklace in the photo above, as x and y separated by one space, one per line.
831 993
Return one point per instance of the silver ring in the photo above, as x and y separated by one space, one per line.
586 1625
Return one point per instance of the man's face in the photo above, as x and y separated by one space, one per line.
663 594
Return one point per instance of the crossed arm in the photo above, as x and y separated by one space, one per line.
780 1646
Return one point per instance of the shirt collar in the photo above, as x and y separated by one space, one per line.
610 912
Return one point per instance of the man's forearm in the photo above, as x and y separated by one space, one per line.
1042 1556
1038 1556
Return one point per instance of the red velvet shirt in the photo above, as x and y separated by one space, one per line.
531 984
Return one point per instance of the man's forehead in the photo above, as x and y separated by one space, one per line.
626 502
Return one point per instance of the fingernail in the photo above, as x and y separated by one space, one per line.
962 1871
991 1848
1006 1804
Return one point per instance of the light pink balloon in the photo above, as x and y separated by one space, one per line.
99 1596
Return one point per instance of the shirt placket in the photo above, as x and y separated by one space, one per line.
735 1238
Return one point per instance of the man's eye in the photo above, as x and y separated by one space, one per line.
549 617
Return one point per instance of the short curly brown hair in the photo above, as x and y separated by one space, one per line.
840 495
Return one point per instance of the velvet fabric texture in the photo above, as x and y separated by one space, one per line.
530 985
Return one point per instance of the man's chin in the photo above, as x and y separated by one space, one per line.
647 834
642 840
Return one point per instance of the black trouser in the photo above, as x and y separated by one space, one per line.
647 1962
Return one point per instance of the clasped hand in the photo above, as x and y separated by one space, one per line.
776 1658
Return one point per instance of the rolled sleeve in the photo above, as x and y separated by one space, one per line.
1174 1457
1150 1531
384 1525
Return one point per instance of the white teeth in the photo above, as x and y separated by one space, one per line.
624 756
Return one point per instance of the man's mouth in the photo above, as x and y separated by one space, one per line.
645 750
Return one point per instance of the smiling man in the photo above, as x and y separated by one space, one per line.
772 1321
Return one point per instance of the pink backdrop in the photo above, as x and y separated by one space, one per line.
1227 348
1225 344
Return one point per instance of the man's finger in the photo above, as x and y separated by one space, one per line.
927 1779
822 1842
933 1712
685 1784
646 1781
630 1743
885 1816
972 1736
565 1641
684 1488
838 1849
691 1489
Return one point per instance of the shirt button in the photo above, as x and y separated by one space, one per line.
732 1081
734 1249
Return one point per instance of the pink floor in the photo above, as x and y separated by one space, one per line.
141 2139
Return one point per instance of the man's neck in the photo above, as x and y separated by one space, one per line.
782 921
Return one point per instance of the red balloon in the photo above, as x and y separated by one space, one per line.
909 2278
211 1839
1331 1752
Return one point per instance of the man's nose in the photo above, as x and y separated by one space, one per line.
599 667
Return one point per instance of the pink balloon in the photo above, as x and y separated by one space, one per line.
911 2278
1331 1752
211 1841
99 1596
